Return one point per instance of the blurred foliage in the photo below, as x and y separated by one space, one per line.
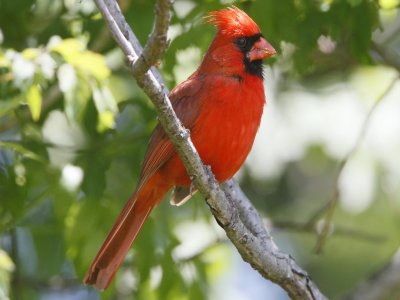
74 128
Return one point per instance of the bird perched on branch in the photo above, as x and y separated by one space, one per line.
221 104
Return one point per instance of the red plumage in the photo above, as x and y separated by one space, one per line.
221 104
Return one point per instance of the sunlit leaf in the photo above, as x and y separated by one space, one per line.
106 121
34 101
7 266
105 105
88 62
92 64
68 48
389 4
30 53
5 262
4 62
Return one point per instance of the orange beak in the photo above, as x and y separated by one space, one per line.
261 50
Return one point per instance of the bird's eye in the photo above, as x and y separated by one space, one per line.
241 42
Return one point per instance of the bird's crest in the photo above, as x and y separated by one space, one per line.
233 22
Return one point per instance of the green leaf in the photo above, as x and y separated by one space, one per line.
106 106
16 147
8 105
34 101
354 2
76 100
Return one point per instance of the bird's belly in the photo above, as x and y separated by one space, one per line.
224 145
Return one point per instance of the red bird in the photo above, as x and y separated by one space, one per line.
221 104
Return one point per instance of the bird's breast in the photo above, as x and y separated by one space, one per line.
227 125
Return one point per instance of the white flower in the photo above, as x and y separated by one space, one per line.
47 65
67 79
22 69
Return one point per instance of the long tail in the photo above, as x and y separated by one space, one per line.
123 234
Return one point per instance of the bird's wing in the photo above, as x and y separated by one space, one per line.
186 103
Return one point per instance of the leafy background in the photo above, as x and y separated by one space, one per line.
74 128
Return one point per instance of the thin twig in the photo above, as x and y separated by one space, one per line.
330 206
386 56
260 251
104 36
338 230
157 43
132 39
383 284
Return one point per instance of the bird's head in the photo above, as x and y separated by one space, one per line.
239 45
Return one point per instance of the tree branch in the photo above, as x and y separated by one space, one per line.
232 210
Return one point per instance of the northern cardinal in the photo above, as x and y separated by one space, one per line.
221 104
